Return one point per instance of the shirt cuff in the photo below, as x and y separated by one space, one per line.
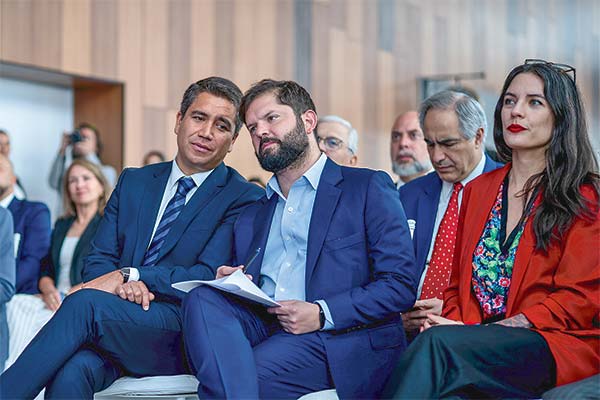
134 275
328 319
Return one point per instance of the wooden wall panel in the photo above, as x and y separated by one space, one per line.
360 59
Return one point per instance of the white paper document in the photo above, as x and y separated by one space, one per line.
236 283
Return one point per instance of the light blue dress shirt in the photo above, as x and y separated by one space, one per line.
283 270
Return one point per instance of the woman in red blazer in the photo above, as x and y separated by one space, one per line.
522 309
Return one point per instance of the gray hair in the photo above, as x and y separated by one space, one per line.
469 112
352 133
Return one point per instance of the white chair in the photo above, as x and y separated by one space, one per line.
175 387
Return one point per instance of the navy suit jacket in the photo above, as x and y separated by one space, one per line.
7 278
51 263
198 243
420 199
32 221
360 261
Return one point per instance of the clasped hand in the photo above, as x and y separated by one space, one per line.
112 282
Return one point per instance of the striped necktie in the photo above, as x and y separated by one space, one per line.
169 217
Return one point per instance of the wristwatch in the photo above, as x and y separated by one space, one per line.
321 316
125 272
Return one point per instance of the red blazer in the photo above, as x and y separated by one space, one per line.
558 292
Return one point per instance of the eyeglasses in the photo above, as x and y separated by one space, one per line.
566 68
330 143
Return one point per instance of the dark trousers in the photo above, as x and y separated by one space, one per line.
239 351
93 339
474 362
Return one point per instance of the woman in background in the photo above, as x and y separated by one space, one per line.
526 271
85 193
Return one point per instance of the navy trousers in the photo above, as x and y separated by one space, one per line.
474 362
93 339
238 350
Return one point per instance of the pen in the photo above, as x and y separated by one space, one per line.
251 260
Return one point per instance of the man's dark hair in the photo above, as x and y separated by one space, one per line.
288 93
216 86
99 145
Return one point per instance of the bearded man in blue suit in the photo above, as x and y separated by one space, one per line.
454 126
335 253
163 223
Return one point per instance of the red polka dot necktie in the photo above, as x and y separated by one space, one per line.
440 265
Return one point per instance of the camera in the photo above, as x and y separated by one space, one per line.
75 136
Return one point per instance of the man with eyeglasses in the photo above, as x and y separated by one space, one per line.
454 126
338 140
408 149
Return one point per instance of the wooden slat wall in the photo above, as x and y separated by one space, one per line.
359 58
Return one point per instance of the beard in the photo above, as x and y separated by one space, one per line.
411 169
291 150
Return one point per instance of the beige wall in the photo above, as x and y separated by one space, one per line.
359 58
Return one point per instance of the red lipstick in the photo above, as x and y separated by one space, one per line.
516 128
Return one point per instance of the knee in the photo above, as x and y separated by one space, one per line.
201 299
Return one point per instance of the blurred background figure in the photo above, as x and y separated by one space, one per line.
338 140
153 157
31 224
85 193
84 142
19 191
408 149
7 278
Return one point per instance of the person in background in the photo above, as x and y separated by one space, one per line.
408 150
84 143
521 312
153 157
7 278
455 126
338 140
19 191
31 227
85 193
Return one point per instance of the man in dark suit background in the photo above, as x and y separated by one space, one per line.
335 253
7 278
31 230
454 126
163 223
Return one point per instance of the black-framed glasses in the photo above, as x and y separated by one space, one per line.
566 68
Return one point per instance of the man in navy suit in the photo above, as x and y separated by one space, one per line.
335 252
163 223
454 126
31 230
7 278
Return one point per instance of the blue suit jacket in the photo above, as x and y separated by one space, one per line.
360 261
198 243
32 221
420 199
7 278
51 263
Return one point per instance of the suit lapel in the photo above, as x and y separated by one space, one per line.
206 192
426 213
260 233
150 199
326 201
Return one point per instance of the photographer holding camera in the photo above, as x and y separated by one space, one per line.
84 142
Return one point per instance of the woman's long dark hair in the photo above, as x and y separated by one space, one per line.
570 161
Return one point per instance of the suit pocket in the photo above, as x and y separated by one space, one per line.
387 337
343 242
